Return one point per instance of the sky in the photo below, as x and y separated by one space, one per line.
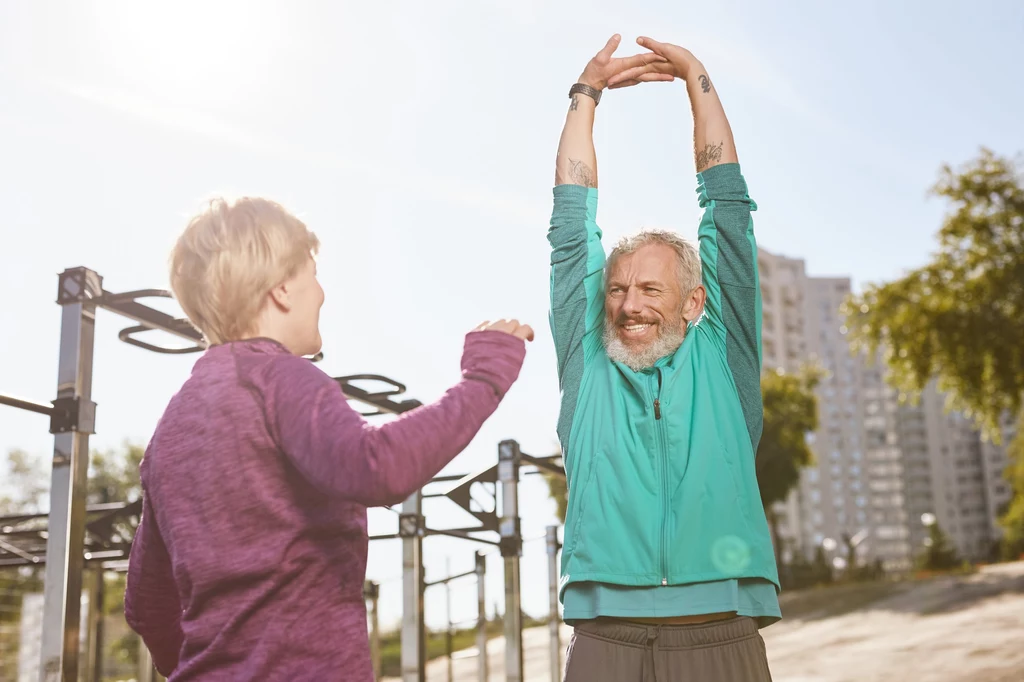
418 141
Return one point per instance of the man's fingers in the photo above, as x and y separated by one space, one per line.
624 84
661 68
640 60
609 48
655 77
652 45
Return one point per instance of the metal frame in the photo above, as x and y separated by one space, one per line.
505 522
71 538
75 533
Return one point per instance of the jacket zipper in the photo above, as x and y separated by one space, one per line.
664 482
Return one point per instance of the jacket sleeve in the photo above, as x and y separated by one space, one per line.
577 290
728 252
335 448
152 607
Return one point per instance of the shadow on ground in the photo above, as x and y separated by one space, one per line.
936 595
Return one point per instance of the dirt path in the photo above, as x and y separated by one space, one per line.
968 629
962 629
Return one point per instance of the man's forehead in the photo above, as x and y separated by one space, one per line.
650 258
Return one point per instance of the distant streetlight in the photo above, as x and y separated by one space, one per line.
928 519
829 544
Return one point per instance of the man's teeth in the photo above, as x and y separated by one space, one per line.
636 327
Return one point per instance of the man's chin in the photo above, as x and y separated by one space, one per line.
634 345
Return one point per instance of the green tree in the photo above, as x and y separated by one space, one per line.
114 474
113 477
959 319
27 484
939 554
559 492
1013 520
790 415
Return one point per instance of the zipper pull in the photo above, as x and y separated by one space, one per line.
657 409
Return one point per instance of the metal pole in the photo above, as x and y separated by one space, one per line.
511 550
94 666
410 528
371 591
481 616
448 617
62 586
553 574
147 671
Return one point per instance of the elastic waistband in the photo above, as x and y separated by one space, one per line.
670 636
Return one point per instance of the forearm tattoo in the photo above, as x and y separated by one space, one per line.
705 84
711 152
575 103
580 173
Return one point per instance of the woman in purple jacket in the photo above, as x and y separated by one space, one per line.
250 557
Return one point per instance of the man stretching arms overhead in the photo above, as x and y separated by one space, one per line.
667 567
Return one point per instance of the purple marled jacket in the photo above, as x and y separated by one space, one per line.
250 558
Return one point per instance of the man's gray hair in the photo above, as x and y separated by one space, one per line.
686 254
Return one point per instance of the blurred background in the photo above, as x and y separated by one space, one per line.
881 141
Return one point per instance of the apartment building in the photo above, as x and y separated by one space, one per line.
953 473
880 465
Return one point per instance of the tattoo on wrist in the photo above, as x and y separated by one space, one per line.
705 84
580 173
574 103
711 152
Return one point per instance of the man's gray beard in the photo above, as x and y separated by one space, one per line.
669 339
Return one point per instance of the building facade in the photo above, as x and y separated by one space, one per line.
881 464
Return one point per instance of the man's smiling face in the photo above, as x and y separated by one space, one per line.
644 306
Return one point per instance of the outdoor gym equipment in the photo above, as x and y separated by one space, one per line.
74 533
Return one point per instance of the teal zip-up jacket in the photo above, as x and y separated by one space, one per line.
660 463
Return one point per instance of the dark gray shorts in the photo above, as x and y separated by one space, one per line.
609 650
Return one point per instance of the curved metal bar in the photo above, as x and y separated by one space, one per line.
397 390
126 336
109 298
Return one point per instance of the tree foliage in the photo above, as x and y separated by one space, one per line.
790 415
939 555
113 477
559 493
959 318
1013 520
26 486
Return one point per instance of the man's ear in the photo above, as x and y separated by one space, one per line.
280 296
693 306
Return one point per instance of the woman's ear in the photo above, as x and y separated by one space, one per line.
280 296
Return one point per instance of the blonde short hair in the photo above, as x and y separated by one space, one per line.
689 267
229 256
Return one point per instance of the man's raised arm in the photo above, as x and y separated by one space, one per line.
577 257
728 249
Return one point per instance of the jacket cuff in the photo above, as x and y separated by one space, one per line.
723 182
494 358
